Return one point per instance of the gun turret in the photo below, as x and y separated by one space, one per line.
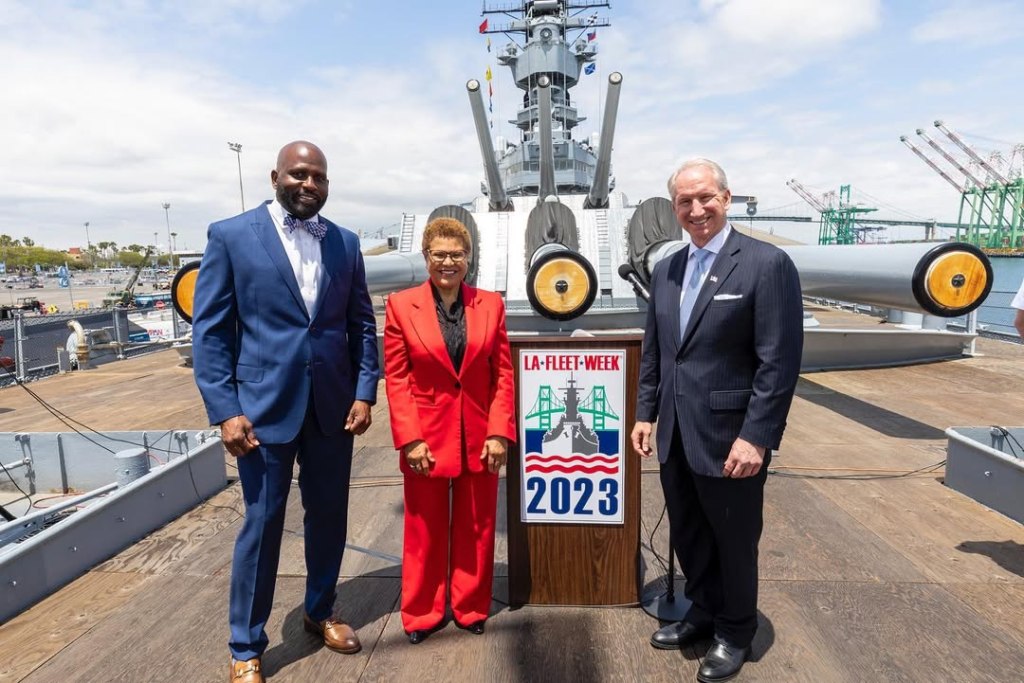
497 199
598 196
547 148
561 283
948 280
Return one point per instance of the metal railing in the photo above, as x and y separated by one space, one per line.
32 343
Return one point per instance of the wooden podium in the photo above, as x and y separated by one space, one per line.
569 563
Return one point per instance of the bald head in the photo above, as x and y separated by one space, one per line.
300 179
300 150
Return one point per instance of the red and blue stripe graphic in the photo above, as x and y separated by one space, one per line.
572 464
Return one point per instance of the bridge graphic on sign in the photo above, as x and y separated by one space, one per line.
571 435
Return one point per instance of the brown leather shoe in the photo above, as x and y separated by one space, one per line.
337 635
248 671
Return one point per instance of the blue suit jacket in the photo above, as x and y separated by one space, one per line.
735 370
258 353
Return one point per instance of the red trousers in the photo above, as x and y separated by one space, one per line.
448 543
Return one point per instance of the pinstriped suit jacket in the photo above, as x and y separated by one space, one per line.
734 372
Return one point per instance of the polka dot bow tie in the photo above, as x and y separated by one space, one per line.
314 228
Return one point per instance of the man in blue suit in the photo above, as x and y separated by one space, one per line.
719 366
285 356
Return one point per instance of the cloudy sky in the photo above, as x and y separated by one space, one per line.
112 108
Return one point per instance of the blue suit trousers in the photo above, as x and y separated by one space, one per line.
325 464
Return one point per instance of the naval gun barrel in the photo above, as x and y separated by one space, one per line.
496 196
392 272
598 196
547 148
561 283
946 280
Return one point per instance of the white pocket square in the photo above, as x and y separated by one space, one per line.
727 297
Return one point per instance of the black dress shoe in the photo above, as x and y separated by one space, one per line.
419 635
722 662
476 628
679 634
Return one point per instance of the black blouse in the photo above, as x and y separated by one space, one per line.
453 326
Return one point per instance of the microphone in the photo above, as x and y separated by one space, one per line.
627 273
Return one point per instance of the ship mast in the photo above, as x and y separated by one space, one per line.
548 39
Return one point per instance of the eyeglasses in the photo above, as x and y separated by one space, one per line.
703 200
441 256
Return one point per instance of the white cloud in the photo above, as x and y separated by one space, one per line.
729 47
103 124
792 24
974 23
105 136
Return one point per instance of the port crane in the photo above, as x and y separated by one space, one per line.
991 198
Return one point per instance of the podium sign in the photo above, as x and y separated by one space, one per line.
573 481
572 408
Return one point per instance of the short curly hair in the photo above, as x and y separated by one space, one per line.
444 228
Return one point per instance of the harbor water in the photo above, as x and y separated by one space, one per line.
996 314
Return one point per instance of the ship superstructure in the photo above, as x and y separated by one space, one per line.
567 251
556 43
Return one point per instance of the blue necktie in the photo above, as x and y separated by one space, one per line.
314 228
692 289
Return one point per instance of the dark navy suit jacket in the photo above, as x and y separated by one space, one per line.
256 350
734 372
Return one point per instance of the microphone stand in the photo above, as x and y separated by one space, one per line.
660 604
664 605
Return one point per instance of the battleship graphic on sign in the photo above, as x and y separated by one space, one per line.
571 434
572 408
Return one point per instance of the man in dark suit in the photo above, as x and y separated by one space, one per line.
720 362
285 355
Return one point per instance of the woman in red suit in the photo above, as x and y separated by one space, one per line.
448 373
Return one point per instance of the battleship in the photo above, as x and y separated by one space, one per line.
571 436
568 251
872 567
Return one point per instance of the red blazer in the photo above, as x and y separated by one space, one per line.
428 400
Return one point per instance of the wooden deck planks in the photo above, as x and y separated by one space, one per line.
148 392
926 523
809 538
886 632
999 605
535 644
170 546
38 634
175 630
893 579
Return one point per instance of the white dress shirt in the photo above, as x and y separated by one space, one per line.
713 246
1018 299
303 252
